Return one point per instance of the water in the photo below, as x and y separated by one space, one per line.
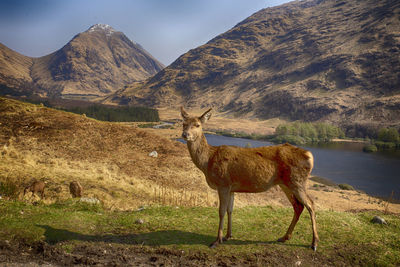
376 173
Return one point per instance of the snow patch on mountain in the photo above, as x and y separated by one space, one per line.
102 27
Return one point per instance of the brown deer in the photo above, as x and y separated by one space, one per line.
35 187
230 169
75 189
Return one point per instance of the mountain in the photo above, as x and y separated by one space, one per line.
94 63
316 60
14 71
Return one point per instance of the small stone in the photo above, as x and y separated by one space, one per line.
298 263
90 200
378 220
139 221
153 154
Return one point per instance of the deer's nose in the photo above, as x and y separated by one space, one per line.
184 135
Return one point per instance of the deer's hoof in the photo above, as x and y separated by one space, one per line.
226 238
282 239
213 244
314 247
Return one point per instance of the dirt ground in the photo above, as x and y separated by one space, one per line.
20 254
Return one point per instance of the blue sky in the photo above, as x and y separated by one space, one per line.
165 28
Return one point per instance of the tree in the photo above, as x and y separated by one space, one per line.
388 135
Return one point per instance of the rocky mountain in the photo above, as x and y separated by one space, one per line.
94 63
310 60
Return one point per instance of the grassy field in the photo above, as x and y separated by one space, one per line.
346 238
111 161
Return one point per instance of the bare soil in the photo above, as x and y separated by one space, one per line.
106 254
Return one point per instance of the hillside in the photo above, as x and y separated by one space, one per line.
94 63
111 162
14 71
315 60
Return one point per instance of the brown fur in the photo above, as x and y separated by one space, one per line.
75 189
35 187
230 169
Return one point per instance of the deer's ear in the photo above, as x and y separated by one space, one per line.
184 114
206 116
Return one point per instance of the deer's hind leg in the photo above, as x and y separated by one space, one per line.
304 198
298 209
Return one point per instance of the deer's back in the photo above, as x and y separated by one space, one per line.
37 186
257 169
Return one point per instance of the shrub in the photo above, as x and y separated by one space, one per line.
389 135
291 139
370 148
346 187
308 132
385 145
9 189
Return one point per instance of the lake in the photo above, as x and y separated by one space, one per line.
375 173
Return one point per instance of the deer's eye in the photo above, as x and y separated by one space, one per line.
197 125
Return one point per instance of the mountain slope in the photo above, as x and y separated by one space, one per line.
311 60
14 69
95 62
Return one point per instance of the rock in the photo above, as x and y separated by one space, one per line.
90 200
141 208
139 221
378 220
153 154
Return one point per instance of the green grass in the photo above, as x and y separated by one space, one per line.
350 237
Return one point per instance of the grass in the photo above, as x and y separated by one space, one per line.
348 237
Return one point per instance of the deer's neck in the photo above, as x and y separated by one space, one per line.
200 152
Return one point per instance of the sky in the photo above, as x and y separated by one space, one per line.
165 28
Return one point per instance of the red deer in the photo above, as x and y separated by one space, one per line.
75 189
35 187
230 169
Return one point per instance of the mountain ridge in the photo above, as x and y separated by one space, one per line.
94 62
319 60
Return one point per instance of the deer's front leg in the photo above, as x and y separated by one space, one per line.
224 198
229 211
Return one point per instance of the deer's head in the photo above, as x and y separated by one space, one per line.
193 126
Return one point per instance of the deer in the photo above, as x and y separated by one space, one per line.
75 189
35 187
231 169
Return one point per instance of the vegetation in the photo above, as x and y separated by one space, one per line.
9 189
105 113
242 135
387 139
297 133
345 187
147 125
101 112
346 238
300 133
370 148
